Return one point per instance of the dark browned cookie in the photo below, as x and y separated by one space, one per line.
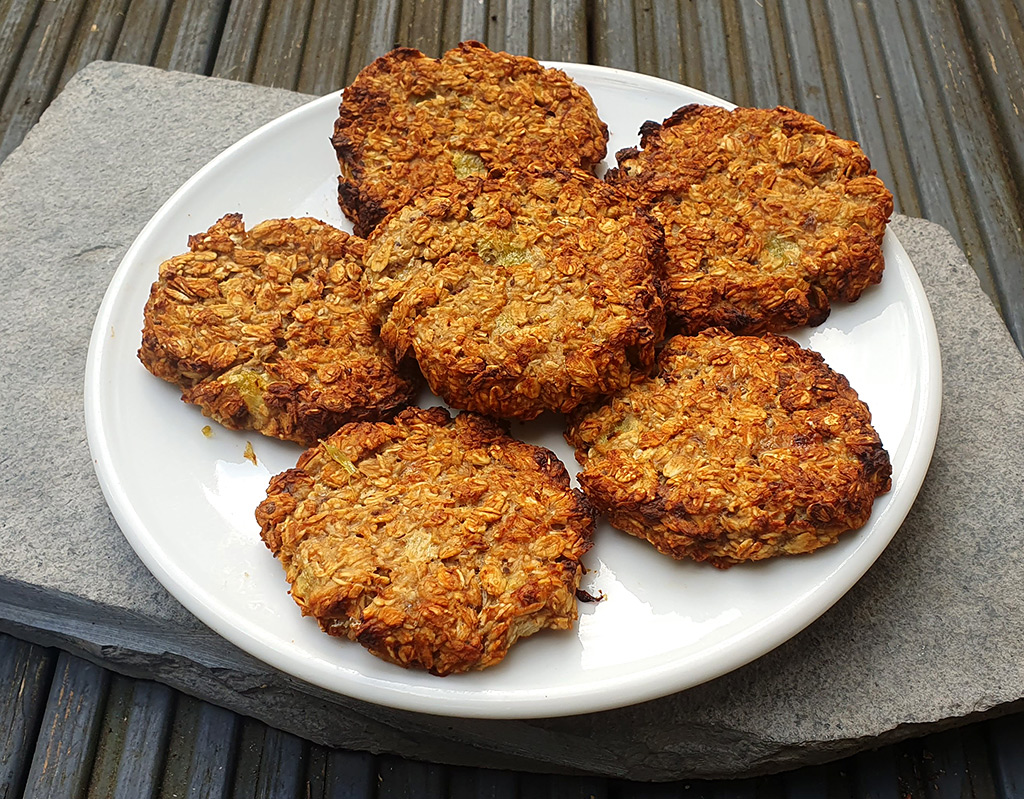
519 293
768 216
435 543
267 330
409 122
736 448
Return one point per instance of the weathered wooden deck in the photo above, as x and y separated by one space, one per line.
934 90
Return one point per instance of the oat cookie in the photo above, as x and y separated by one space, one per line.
769 217
409 122
736 448
267 330
435 543
519 293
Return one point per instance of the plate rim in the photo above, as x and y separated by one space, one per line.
658 679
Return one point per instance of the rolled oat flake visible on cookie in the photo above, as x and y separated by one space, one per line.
769 217
736 448
436 543
267 330
409 122
519 293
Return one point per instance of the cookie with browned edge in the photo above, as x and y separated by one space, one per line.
434 542
736 448
266 329
519 293
769 217
409 122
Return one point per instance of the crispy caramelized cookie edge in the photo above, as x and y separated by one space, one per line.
434 542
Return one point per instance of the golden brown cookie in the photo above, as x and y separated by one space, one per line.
267 330
736 448
409 122
435 543
769 217
519 293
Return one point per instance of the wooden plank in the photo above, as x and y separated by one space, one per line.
990 182
762 75
558 786
614 32
383 21
282 769
200 751
689 45
496 19
1006 747
247 761
140 34
16 20
351 775
977 762
144 741
327 48
517 27
25 676
715 53
566 26
284 34
658 25
374 32
808 77
424 31
996 32
869 97
472 20
940 186
398 778
876 774
70 731
96 37
190 36
479 783
451 25
944 766
240 39
34 81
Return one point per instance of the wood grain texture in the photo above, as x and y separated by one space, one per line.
16 20
96 36
188 43
328 43
279 60
25 674
240 41
139 38
70 731
35 79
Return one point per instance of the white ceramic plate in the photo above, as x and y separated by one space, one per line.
185 501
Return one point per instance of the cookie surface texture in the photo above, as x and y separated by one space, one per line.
519 293
267 330
769 217
409 122
435 543
737 448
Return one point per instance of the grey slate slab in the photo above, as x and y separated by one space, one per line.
931 634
